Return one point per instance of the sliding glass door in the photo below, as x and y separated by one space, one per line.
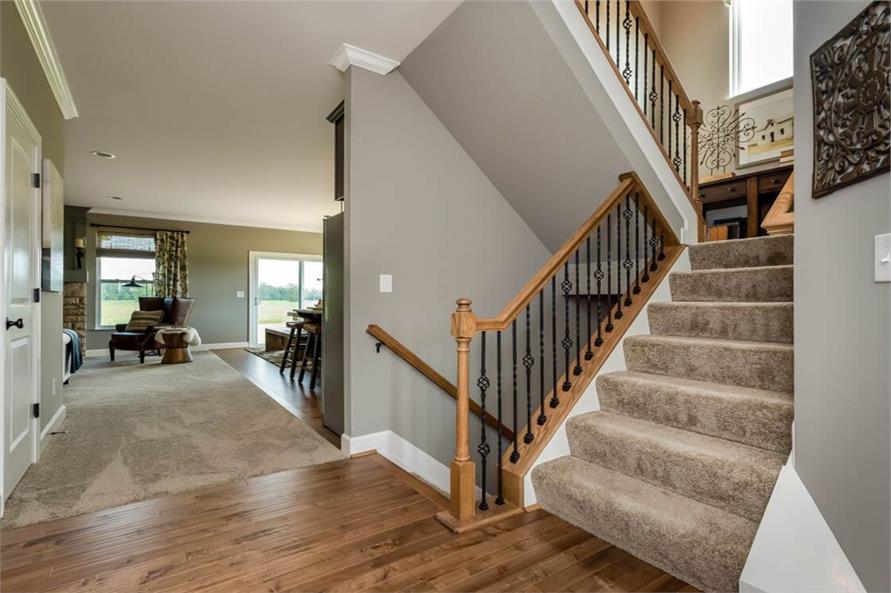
280 283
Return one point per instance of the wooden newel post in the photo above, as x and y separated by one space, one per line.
694 168
463 469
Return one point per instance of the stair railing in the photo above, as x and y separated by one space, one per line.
780 219
538 356
628 38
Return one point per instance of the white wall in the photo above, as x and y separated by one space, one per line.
842 332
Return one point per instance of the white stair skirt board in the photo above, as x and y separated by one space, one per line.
794 550
103 353
558 446
404 454
52 426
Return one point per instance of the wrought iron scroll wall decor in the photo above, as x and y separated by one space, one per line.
723 132
851 75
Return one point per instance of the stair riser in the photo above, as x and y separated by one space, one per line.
753 422
736 487
765 251
763 367
704 550
752 323
733 286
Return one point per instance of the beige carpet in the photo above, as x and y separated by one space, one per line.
139 431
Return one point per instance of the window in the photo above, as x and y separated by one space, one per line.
122 259
311 284
760 44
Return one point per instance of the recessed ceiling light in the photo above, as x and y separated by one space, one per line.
115 198
101 154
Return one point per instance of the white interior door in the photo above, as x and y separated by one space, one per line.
21 258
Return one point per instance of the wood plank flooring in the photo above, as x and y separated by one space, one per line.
293 395
354 525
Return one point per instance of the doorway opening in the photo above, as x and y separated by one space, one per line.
281 283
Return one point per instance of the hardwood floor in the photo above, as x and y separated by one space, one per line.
352 525
293 395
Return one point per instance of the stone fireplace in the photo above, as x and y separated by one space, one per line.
74 311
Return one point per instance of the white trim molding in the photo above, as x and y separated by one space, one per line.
349 55
198 219
103 352
52 426
38 32
401 452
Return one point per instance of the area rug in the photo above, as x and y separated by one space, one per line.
273 356
137 431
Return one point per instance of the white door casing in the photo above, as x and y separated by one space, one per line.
20 277
253 283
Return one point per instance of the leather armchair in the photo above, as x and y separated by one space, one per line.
177 312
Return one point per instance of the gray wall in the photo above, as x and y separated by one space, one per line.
498 82
20 67
218 267
842 332
418 208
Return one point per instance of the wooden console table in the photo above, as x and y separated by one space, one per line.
757 191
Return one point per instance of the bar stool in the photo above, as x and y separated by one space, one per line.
314 345
289 355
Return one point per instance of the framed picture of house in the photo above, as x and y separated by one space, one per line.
774 129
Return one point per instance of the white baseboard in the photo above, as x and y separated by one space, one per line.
54 425
103 353
794 550
402 453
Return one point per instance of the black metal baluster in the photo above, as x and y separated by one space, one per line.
499 499
566 285
483 448
555 401
662 104
677 135
619 314
670 94
628 264
654 242
626 24
645 70
636 243
653 94
541 359
636 54
609 273
528 361
597 16
646 274
684 153
578 330
588 354
598 275
661 244
515 455
618 33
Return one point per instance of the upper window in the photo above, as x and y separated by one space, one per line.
123 259
760 44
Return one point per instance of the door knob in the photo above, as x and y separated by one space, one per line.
19 323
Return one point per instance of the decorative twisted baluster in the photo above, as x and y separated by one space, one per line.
636 54
588 354
654 242
653 94
636 243
566 286
619 313
626 24
598 275
555 401
646 274
670 112
528 361
609 274
618 33
684 153
542 418
676 161
499 498
578 330
646 54
661 103
483 448
627 263
515 454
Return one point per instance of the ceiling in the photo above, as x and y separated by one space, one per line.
216 110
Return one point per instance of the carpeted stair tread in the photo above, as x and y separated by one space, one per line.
758 365
761 284
696 542
750 416
742 253
751 322
731 476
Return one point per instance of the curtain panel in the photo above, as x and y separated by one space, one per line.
171 265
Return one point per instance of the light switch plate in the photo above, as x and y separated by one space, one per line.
386 283
883 258
239 294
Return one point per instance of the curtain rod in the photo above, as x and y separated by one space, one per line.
136 228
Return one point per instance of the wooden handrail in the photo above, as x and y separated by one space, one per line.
780 219
628 182
399 349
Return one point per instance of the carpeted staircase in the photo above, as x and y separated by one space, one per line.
678 465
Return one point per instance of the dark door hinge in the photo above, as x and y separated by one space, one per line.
36 180
35 410
36 297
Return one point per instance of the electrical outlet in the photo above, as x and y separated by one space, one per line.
386 281
883 258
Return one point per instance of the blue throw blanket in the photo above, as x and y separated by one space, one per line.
74 349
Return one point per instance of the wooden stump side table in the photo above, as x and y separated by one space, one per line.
176 347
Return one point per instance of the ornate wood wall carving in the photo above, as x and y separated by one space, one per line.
851 76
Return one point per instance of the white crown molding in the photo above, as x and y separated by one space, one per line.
349 55
35 25
198 219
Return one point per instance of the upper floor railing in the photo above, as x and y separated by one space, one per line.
628 38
